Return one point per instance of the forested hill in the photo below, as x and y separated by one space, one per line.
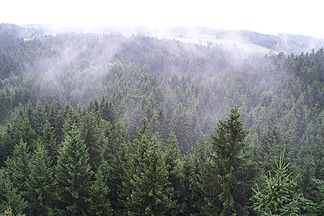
117 99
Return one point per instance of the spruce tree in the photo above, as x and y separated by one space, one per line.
227 179
271 144
49 142
195 169
72 119
27 133
148 178
73 173
99 203
16 168
20 129
12 199
174 166
279 196
13 179
89 133
40 182
114 150
183 128
37 116
5 146
106 109
319 197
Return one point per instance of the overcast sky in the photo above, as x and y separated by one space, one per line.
267 16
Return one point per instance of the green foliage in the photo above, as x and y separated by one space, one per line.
14 203
196 165
99 194
7 212
13 177
72 120
279 196
16 169
174 167
49 141
27 134
5 146
148 177
318 197
40 182
89 134
73 173
177 87
114 149
227 178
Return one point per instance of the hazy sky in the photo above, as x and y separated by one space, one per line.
268 16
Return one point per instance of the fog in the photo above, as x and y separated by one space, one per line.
295 17
161 107
143 76
159 60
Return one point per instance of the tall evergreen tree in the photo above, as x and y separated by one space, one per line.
16 168
40 182
148 178
271 144
174 167
114 150
12 199
89 134
19 129
99 203
72 119
37 117
318 208
73 173
13 177
106 109
27 133
279 196
5 146
195 167
227 184
49 141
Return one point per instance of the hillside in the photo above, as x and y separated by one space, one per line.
246 41
179 113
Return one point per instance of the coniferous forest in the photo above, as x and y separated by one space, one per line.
104 124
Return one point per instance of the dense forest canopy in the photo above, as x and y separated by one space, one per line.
108 124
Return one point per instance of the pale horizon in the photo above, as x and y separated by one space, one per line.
269 17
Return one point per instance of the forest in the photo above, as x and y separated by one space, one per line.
107 124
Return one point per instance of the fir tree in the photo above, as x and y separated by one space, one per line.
319 197
89 133
49 141
13 199
114 151
106 109
148 178
227 179
27 133
174 166
71 120
99 194
5 146
13 176
279 196
196 166
37 117
40 182
73 173
17 170
20 129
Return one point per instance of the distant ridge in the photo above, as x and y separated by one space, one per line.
245 40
